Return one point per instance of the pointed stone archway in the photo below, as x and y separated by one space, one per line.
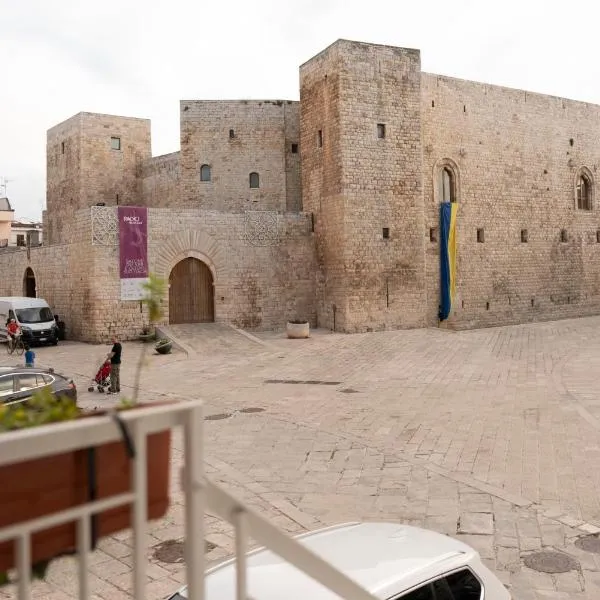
213 267
29 284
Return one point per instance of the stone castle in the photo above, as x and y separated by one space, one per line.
327 209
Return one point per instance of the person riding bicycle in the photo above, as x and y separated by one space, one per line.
13 331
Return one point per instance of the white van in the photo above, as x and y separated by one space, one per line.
34 317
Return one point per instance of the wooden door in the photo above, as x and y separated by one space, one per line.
191 293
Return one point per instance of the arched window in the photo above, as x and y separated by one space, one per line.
205 173
254 181
447 185
584 192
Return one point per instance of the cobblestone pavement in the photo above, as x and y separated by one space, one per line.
490 435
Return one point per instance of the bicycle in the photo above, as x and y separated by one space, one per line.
15 346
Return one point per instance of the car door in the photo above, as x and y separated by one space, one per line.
7 388
26 385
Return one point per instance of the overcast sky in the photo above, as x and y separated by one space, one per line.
139 58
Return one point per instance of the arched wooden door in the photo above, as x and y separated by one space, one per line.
191 293
29 284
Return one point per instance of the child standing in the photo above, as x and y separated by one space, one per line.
29 357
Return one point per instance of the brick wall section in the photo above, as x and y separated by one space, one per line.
63 177
258 145
367 184
517 154
71 297
256 287
322 180
160 181
293 175
90 171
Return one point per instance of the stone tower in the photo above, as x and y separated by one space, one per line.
92 158
362 181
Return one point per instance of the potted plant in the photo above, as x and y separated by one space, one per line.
163 346
147 334
298 329
47 485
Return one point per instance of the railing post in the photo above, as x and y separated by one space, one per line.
241 537
139 472
84 541
24 565
195 502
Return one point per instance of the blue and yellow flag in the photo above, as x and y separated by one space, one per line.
448 212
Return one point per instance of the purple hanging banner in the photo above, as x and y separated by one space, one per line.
133 250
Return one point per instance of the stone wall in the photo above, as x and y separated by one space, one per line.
236 138
63 176
516 155
263 264
62 274
160 181
84 169
364 183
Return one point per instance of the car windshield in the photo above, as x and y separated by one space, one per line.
40 314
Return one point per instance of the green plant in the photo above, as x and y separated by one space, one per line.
154 289
42 408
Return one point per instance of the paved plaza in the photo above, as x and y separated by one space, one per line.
489 435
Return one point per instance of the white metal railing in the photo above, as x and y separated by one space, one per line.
201 495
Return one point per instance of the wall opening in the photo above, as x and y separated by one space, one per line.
191 293
205 173
433 234
320 138
254 181
524 236
29 286
480 236
386 233
564 236
381 130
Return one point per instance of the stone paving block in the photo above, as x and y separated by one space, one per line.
569 582
476 523
484 544
508 559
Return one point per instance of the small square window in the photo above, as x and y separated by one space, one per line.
320 138
231 134
480 236
115 143
380 131
524 236
62 147
294 148
433 234
564 236
386 233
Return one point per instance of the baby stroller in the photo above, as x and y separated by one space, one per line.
102 378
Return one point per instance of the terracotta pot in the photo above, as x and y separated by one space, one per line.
297 330
47 485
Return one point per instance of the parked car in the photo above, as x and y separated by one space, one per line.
18 384
391 561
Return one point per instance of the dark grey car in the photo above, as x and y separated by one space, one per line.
18 384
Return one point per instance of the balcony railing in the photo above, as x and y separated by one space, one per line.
201 495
